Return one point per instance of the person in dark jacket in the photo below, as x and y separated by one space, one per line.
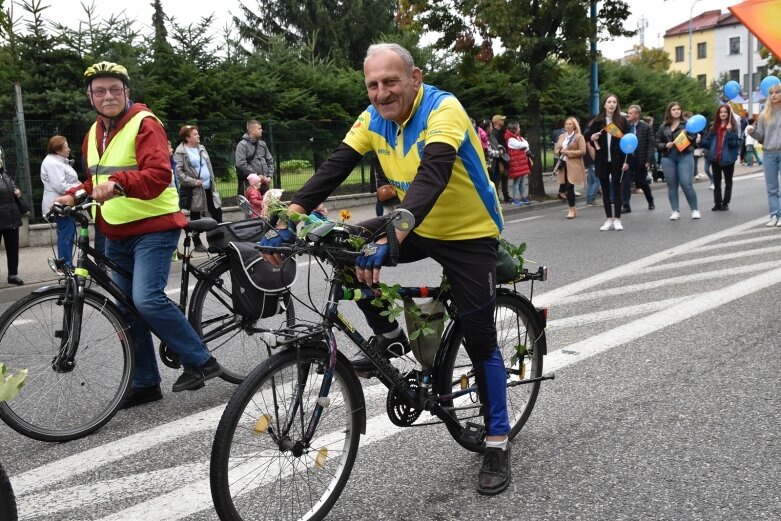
604 136
10 222
639 161
253 157
723 146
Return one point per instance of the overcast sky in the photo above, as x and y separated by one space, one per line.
659 14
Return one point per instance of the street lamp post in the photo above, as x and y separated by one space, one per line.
691 20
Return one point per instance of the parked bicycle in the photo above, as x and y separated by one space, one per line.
79 348
288 438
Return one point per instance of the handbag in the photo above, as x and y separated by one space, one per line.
24 208
185 197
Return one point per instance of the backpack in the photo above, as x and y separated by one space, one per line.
258 289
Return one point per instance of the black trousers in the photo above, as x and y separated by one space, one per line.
611 186
470 268
717 170
11 239
567 188
639 177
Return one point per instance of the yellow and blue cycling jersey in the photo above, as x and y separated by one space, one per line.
468 208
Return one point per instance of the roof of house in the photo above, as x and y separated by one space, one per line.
701 22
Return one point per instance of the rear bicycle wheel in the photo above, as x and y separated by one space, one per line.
260 466
65 405
515 326
231 338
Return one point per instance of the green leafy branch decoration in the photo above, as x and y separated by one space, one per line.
10 384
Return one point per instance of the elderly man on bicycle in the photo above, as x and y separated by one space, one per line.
126 151
433 158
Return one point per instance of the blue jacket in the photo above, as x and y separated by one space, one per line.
729 150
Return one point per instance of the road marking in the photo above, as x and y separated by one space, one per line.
523 219
565 292
744 242
688 263
611 314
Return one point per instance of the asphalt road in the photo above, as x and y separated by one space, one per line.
666 402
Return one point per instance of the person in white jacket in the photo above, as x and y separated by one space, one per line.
58 176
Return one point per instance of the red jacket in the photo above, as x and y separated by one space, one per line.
154 175
255 198
519 163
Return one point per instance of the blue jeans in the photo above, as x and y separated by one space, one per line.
593 184
518 187
66 233
679 172
706 166
772 168
148 259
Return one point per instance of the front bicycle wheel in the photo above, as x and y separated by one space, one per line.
65 404
232 339
515 326
262 467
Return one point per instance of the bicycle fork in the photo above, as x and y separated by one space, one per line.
70 334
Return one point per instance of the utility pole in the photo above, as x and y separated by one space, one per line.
750 79
22 131
594 65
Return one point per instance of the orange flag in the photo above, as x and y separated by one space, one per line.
761 17
682 141
614 130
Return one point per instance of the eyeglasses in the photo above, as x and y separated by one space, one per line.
101 92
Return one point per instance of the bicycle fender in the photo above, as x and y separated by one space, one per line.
534 313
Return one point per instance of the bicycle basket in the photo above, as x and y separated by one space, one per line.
248 230
258 289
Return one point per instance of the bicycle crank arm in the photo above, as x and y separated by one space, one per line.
532 380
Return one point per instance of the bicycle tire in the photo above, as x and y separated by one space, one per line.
515 323
8 510
211 311
63 406
251 477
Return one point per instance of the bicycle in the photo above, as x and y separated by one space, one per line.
79 347
288 438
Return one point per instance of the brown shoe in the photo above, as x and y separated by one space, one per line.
571 212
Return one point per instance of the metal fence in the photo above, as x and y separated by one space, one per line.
298 148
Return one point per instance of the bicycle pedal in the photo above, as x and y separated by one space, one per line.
473 433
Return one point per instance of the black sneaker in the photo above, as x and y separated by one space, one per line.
724 207
651 206
194 377
716 208
387 347
626 209
495 475
141 395
14 279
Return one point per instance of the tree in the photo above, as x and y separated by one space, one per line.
654 59
537 36
330 28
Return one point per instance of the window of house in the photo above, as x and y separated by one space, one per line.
703 79
734 45
679 53
734 75
702 50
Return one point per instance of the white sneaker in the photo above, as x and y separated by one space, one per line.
607 226
617 226
773 221
675 216
696 214
711 187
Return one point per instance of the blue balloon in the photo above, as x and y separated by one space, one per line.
628 143
732 89
695 124
767 83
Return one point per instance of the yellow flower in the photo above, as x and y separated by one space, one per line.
345 215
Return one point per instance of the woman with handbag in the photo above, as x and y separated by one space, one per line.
196 179
677 147
58 176
519 165
10 222
570 169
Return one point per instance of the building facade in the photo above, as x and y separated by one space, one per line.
719 46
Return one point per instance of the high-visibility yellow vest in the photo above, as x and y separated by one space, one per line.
120 155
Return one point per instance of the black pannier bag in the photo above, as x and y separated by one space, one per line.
248 230
258 289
